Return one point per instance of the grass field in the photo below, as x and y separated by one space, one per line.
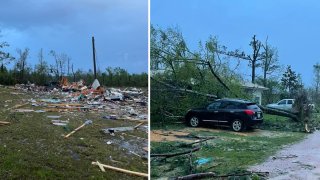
32 148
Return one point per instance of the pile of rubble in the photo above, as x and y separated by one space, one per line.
128 103
109 104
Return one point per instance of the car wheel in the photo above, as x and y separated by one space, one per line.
237 125
194 121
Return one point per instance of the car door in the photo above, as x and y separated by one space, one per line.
213 113
228 110
289 104
282 104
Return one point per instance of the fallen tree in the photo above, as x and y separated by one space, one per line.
277 112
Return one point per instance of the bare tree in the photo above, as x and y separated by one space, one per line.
270 62
253 59
41 69
60 61
74 75
22 62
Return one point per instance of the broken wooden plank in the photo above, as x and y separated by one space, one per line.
4 122
62 104
101 166
18 106
121 170
88 122
138 125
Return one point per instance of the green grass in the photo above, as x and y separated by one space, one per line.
32 148
272 122
230 153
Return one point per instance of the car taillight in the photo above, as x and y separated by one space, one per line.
249 112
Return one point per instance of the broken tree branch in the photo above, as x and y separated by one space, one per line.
138 125
168 155
202 140
213 175
183 90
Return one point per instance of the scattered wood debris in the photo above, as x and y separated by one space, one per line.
2 123
102 166
78 128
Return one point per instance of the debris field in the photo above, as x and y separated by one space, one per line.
73 130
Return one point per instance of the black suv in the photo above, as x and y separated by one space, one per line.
235 113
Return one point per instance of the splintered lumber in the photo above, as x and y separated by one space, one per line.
168 155
78 128
4 122
18 106
65 104
138 125
102 166
137 120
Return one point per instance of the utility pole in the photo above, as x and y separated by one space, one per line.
94 59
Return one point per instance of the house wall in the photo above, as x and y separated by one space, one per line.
256 95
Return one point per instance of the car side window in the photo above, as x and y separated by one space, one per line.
290 102
282 102
213 106
229 105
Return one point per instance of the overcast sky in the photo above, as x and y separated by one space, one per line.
120 28
293 26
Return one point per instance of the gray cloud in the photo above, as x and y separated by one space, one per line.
120 27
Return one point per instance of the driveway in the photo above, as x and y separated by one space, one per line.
297 161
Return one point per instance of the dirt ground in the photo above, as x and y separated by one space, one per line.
298 161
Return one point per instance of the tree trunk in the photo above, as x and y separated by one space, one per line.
253 71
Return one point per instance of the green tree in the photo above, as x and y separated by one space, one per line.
291 81
41 70
316 71
22 63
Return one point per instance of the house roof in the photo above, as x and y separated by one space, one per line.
250 85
